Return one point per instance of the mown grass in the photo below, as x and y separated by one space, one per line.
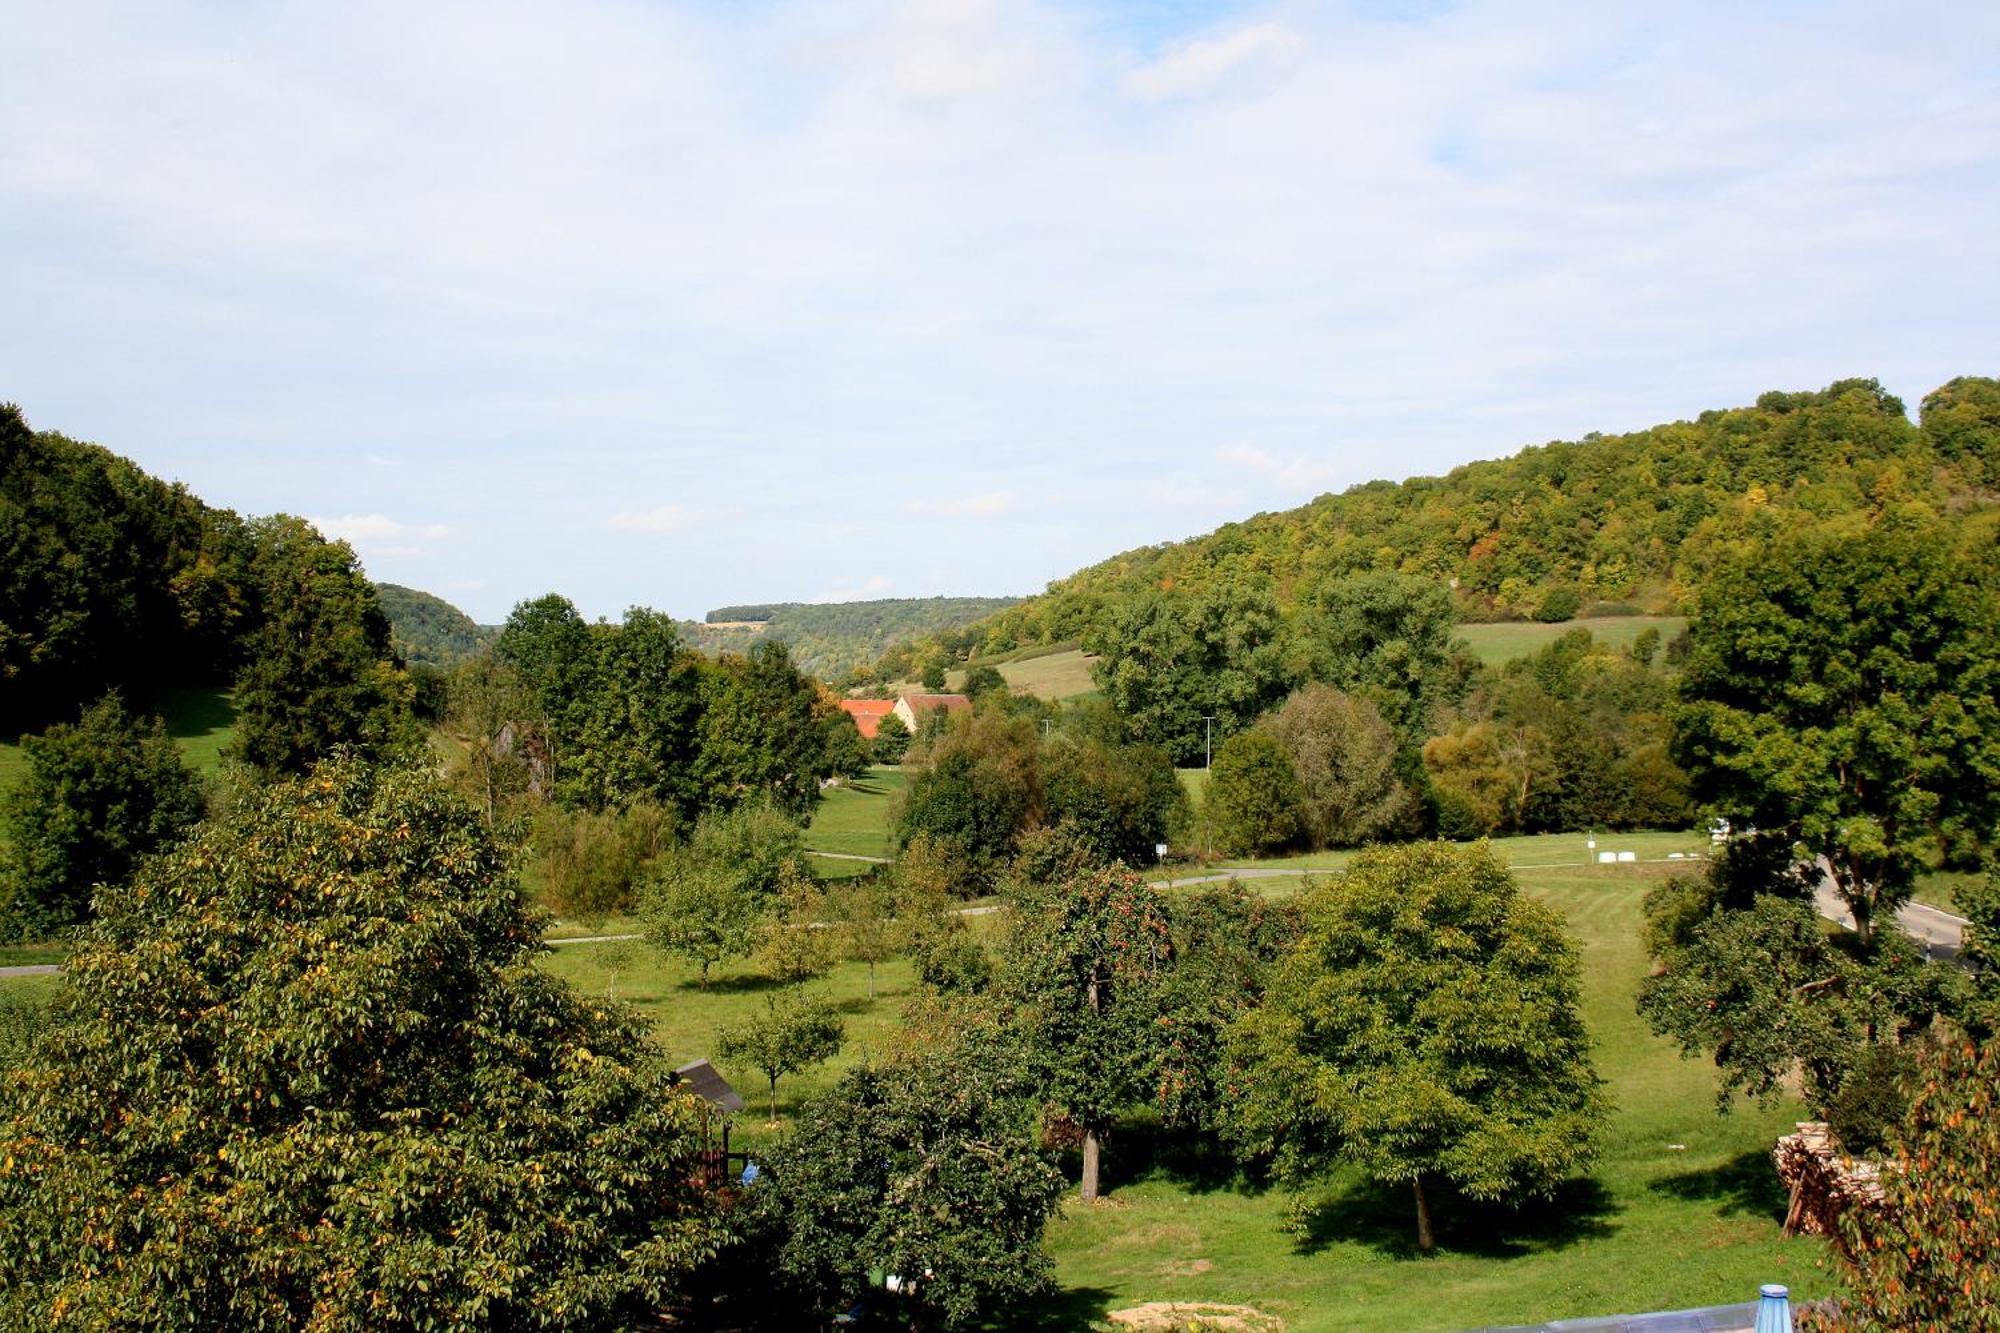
854 818
1528 851
1503 641
1682 1210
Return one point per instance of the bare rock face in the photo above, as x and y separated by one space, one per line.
1823 1181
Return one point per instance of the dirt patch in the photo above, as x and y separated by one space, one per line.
1186 1267
1187 1316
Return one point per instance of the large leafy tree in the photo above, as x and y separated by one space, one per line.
1344 756
1425 1029
1843 689
320 676
925 1167
973 788
1254 803
1175 663
97 795
1123 800
310 1077
1749 974
1386 637
1082 967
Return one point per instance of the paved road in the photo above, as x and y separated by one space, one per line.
1941 933
31 970
850 856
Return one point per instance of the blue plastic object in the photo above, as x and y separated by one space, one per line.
1774 1309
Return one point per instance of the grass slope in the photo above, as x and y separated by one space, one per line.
1503 641
853 818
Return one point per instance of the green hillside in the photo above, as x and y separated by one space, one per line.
832 639
1630 520
429 630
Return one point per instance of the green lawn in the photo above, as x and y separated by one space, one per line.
1683 1209
1938 889
1539 849
686 1019
854 818
202 720
1504 641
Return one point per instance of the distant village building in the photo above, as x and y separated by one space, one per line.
913 708
868 714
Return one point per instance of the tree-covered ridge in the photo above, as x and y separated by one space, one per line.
831 639
113 579
1636 518
428 630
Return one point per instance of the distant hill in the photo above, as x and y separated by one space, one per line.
1608 523
427 629
831 639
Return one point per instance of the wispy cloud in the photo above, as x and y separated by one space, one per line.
668 519
826 261
988 504
372 530
1294 472
1199 66
849 590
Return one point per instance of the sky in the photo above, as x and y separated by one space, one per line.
682 305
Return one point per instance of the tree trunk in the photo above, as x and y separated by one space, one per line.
1091 1146
774 1101
1426 1242
871 981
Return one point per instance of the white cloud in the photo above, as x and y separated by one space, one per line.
372 530
1293 472
667 519
988 504
1200 65
847 590
661 519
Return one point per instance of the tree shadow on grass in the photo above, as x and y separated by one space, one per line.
1144 1149
1062 1311
1745 1185
1385 1218
750 984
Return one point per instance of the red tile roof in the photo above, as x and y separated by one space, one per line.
867 714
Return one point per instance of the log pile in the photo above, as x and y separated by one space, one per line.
1823 1181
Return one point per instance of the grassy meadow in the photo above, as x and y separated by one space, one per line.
1503 641
853 818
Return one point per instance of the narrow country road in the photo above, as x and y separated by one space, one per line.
30 970
1941 933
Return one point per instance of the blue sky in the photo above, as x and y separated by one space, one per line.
682 305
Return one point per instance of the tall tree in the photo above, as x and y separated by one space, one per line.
1082 966
1424 1028
1385 637
1843 689
1344 755
1171 661
97 796
1254 804
311 1076
320 676
925 1167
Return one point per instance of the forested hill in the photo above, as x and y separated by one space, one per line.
1635 518
429 630
111 578
831 639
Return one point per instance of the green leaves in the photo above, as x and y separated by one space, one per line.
1425 1025
98 796
309 1074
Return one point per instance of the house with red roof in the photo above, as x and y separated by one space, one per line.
912 708
867 714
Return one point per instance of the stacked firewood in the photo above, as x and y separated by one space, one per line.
1824 1181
